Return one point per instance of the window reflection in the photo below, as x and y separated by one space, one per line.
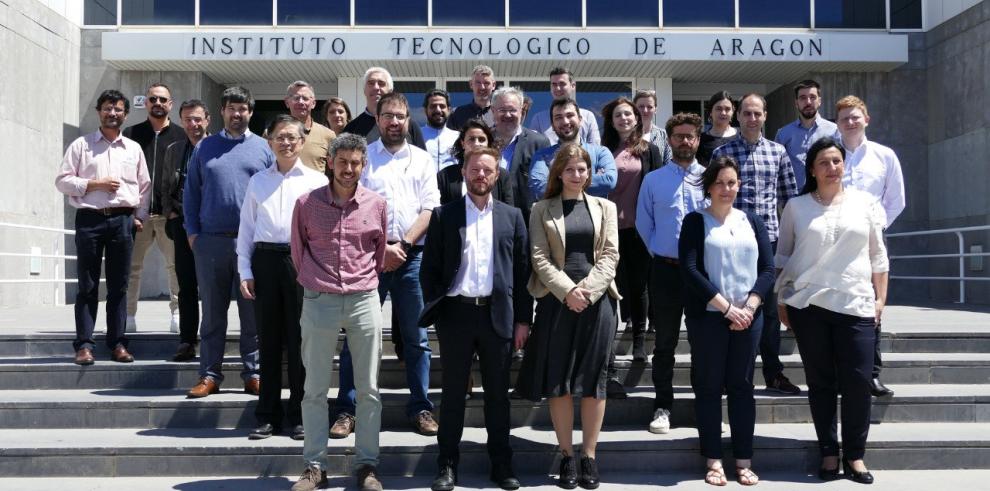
461 13
853 14
158 12
633 13
235 12
100 12
699 13
905 14
310 13
390 12
545 13
774 13
415 91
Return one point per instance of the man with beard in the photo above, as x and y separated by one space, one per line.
439 138
340 294
405 176
667 195
377 83
154 135
567 124
766 178
105 176
563 86
300 98
476 255
195 121
482 86
810 127
219 171
518 145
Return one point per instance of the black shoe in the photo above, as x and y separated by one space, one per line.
878 389
615 390
298 433
860 477
446 479
639 346
503 476
783 385
263 431
589 473
568 473
185 352
829 474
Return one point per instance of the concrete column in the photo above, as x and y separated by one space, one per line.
349 89
665 96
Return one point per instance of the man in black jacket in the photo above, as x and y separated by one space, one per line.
154 135
473 274
518 144
378 82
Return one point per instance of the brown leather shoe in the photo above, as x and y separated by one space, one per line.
205 387
425 424
253 386
367 479
84 357
185 352
343 426
120 355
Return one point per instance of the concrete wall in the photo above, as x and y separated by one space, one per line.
39 117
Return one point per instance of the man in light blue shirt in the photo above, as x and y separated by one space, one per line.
809 127
438 137
667 195
566 126
563 86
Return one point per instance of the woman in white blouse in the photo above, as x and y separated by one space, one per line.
832 287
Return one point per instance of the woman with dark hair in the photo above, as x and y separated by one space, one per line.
721 131
634 158
337 114
832 287
727 266
574 244
474 134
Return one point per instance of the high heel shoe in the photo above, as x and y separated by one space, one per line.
860 477
829 474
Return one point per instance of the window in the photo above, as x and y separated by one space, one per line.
851 14
390 12
591 95
634 13
158 12
415 91
100 12
460 92
461 13
558 13
314 13
905 14
235 12
774 13
699 13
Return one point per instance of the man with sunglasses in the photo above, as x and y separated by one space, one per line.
154 134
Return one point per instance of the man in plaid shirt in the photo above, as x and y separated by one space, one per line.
766 179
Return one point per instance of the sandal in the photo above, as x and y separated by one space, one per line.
746 476
716 476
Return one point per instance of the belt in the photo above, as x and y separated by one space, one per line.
668 260
412 248
476 301
271 246
109 212
229 235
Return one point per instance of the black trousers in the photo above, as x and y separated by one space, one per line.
277 306
462 330
668 307
631 277
837 353
770 342
98 235
721 357
185 273
877 362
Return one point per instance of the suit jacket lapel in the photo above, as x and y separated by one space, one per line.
556 212
596 212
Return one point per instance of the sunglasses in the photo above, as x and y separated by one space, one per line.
156 99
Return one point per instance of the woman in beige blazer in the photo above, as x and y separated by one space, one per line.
574 244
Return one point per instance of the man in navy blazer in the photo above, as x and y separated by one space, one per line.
518 145
474 271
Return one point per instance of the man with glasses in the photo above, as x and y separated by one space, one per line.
154 135
300 98
482 86
377 83
517 144
563 86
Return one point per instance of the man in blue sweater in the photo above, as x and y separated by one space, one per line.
216 181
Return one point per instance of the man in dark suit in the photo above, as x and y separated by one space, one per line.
518 144
474 271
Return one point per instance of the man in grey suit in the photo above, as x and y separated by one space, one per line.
518 144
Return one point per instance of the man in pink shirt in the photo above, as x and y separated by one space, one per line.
338 249
106 179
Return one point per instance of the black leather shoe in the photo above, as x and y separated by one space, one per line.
860 477
568 473
878 389
615 390
446 479
829 474
298 433
589 473
503 476
262 431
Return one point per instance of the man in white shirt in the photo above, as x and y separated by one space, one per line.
439 138
873 168
563 86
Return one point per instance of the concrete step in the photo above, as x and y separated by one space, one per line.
60 373
621 450
133 408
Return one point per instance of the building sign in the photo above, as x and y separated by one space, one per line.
677 46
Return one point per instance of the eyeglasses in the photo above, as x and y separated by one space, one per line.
300 98
394 117
683 138
286 139
155 99
511 112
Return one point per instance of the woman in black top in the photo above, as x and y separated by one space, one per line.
475 133
721 131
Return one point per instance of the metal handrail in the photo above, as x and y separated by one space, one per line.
961 255
54 255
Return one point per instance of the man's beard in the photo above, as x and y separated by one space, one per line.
480 189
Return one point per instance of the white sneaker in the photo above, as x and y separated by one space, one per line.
174 325
661 421
131 325
725 428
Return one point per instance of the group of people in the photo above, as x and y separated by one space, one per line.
503 238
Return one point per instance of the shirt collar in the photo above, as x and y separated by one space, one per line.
100 136
471 206
223 133
862 146
402 153
296 169
693 169
358 192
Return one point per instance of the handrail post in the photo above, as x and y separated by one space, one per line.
962 268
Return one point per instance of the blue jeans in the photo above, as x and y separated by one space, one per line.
407 301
